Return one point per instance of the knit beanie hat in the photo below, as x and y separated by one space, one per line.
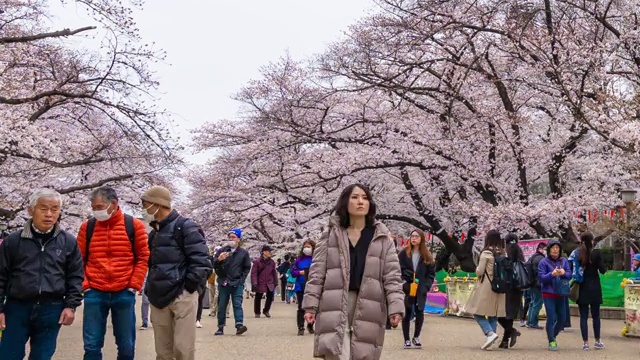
237 232
159 195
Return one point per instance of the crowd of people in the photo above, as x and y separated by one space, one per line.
349 287
549 285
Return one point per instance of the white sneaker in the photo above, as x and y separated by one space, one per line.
199 326
491 339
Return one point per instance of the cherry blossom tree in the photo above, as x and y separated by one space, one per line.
510 115
75 119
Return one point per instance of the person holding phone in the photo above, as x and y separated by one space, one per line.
551 270
232 265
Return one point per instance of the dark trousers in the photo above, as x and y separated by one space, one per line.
525 308
97 305
584 325
200 303
300 314
507 325
267 304
409 312
556 316
567 319
283 288
34 322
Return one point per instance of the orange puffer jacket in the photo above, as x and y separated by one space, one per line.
111 266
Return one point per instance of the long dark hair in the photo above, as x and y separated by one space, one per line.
342 206
586 238
422 247
308 242
514 252
494 242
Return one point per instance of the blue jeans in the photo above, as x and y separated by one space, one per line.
233 293
489 325
34 322
535 307
97 305
556 316
144 309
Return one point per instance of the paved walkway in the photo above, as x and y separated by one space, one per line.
443 338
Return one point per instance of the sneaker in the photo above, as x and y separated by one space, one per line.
310 329
523 323
198 325
144 326
212 314
240 329
598 345
535 327
514 338
267 315
553 346
491 339
416 342
300 332
585 347
257 316
219 332
407 344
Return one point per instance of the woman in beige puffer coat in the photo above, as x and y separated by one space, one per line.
354 273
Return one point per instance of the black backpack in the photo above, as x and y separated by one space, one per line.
532 270
503 275
522 276
128 224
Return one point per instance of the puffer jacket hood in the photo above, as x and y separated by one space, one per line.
552 243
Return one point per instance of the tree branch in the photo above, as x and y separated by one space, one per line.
29 38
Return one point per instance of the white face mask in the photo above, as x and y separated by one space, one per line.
102 215
149 217
307 251
231 243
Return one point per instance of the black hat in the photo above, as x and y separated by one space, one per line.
266 248
541 246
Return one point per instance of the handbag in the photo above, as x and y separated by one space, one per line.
561 286
413 287
574 291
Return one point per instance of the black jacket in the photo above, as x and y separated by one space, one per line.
233 270
535 261
425 275
590 287
282 270
30 270
513 297
179 260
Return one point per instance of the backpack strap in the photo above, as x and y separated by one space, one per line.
131 233
178 232
91 225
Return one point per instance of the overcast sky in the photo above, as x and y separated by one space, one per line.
215 47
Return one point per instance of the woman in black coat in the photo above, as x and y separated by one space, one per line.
590 297
513 298
417 265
